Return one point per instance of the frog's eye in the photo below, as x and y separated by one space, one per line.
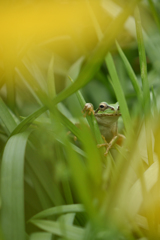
101 106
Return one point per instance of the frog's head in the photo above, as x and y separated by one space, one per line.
107 114
108 109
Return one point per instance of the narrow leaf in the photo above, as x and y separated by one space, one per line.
119 92
145 84
130 73
60 229
60 210
50 79
142 58
7 117
154 13
12 188
41 172
41 236
22 126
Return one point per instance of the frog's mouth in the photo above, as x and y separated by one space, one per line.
108 114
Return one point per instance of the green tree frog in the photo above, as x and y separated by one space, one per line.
107 118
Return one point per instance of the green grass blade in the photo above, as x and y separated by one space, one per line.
145 84
10 85
7 117
95 22
130 73
58 228
43 197
79 95
22 126
119 93
44 177
72 208
68 218
12 187
33 202
1 234
81 179
41 236
67 123
142 58
50 79
154 102
93 157
28 84
27 236
154 13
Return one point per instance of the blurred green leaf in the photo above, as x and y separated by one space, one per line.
144 76
142 59
7 118
22 126
40 191
9 75
50 79
12 187
130 73
60 229
93 157
119 93
41 236
43 178
72 127
60 210
135 195
154 13
81 178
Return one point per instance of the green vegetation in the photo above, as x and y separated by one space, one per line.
55 183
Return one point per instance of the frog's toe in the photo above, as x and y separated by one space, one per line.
102 145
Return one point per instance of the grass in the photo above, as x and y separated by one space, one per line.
55 182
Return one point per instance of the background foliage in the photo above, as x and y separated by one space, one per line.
55 182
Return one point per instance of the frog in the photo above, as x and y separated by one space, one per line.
107 116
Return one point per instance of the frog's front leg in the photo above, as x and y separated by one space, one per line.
116 139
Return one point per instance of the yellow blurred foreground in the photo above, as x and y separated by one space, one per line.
68 27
